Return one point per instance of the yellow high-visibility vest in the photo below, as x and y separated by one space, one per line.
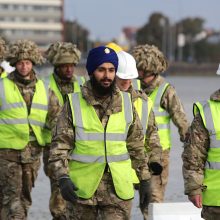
3 75
14 117
80 80
210 113
162 117
96 146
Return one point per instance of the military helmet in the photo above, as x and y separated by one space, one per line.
24 50
149 59
62 52
2 49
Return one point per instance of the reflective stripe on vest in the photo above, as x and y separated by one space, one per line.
210 111
206 115
96 146
141 106
14 119
81 135
136 83
99 159
162 116
157 101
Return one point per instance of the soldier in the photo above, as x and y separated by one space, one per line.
126 72
201 158
64 57
24 118
166 105
97 140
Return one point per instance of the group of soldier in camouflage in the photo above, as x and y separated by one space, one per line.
99 138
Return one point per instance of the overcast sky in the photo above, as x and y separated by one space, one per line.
105 19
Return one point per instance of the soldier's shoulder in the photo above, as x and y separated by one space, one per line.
215 96
142 94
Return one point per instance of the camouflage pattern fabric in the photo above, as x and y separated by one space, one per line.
194 157
57 203
2 49
24 50
17 181
64 130
63 52
158 183
105 205
149 59
60 150
210 212
172 104
21 166
152 141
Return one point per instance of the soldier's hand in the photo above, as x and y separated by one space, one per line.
196 200
67 188
145 193
156 168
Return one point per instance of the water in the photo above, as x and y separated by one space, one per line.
190 89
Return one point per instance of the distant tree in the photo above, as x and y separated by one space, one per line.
155 32
151 32
77 34
190 27
207 52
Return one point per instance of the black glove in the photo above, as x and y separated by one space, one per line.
156 168
67 188
145 193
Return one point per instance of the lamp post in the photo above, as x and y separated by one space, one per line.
180 45
164 40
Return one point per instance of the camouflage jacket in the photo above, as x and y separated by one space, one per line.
63 134
65 86
171 103
195 153
27 89
152 141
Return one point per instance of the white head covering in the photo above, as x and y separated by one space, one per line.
218 70
6 66
126 66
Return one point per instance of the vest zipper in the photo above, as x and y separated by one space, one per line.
106 159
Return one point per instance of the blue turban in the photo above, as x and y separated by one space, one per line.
99 55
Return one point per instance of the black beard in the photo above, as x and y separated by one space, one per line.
99 89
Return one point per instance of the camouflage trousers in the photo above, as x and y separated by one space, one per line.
103 205
211 212
158 183
57 204
17 181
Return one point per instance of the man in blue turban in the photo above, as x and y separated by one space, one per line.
96 143
99 58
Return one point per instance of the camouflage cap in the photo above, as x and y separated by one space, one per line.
2 49
149 59
63 52
24 50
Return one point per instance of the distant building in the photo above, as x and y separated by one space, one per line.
37 20
127 38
